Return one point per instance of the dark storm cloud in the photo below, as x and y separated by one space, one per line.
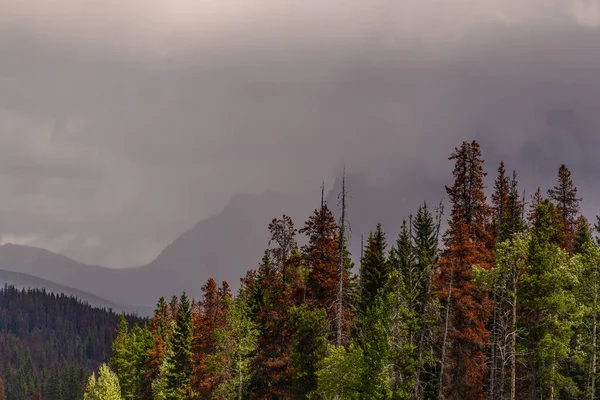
123 123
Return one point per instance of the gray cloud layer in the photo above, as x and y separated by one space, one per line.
123 123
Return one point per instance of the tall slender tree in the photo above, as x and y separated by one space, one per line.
180 358
469 242
564 196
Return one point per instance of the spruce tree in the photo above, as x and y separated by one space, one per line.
564 195
548 306
180 358
309 348
500 198
54 385
468 240
375 270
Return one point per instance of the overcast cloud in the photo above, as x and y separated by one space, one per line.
123 123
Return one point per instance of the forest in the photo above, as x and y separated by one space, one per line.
487 295
50 343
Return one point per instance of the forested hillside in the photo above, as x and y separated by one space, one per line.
502 305
50 343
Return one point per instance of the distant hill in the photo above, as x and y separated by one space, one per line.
24 281
223 247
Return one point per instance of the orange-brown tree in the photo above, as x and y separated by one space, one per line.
209 315
322 257
280 287
468 241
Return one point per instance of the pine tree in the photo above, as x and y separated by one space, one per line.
322 257
180 358
210 316
54 386
583 234
564 195
72 389
588 292
309 348
375 270
500 199
121 361
374 342
467 309
425 238
106 387
548 307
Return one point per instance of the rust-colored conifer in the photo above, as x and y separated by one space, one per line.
468 242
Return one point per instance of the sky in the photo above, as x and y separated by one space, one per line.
124 123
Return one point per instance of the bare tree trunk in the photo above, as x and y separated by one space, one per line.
340 309
444 342
513 352
494 343
594 344
240 391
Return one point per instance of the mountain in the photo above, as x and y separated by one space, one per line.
23 281
224 247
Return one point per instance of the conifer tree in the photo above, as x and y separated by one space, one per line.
210 316
373 339
500 199
2 391
564 195
467 309
121 361
180 358
548 307
583 234
425 238
309 348
588 292
160 331
54 387
375 270
322 257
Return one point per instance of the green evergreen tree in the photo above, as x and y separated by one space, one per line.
54 385
122 360
106 387
72 388
309 348
375 344
375 270
549 307
179 375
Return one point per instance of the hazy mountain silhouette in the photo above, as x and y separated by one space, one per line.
224 247
23 281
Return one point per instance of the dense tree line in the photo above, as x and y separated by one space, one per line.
502 305
50 343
